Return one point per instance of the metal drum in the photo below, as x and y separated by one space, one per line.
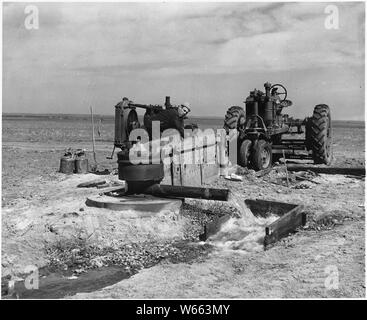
67 163
81 162
81 165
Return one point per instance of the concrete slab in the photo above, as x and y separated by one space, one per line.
136 206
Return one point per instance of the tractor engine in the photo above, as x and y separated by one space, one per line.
264 109
262 105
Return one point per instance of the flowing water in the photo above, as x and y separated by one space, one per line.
236 201
242 234
245 233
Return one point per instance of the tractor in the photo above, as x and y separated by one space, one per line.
265 134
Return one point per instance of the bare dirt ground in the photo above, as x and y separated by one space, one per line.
296 267
35 196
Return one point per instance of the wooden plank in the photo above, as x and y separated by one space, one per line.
210 154
167 174
358 171
222 158
190 175
285 225
210 168
176 175
91 184
199 164
209 172
264 208
199 158
193 169
188 156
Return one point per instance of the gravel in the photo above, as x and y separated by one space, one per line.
79 255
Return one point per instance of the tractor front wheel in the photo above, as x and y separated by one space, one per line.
244 153
319 135
262 155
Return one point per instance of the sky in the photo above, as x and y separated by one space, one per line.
208 54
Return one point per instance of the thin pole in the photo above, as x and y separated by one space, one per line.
93 139
286 170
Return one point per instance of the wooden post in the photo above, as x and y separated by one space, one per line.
286 171
93 139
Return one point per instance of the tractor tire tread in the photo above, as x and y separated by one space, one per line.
318 127
234 118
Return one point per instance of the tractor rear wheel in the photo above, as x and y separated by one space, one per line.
244 153
262 155
235 118
319 135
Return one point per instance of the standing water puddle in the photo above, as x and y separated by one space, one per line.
61 284
57 285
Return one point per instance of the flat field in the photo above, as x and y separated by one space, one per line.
296 267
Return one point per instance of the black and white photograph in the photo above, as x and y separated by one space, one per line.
183 151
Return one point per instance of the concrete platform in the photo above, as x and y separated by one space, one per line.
135 206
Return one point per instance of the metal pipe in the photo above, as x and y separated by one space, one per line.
256 112
161 190
118 138
167 104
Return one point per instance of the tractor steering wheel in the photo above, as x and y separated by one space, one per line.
283 92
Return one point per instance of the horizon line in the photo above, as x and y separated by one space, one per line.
112 115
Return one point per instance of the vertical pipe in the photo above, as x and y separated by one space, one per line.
256 112
118 125
167 104
269 112
93 140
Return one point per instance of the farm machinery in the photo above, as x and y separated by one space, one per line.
145 178
263 131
